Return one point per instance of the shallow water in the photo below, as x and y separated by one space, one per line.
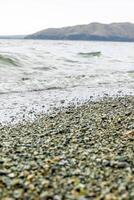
37 75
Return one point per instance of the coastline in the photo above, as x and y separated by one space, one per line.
83 152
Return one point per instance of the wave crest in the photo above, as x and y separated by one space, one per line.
8 60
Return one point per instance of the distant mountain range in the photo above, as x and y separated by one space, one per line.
93 31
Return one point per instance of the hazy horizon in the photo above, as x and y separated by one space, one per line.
60 27
28 16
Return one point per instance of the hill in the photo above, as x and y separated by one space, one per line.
92 31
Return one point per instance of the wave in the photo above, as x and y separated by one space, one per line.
90 54
67 60
8 60
44 89
71 61
45 68
42 68
31 90
115 60
131 73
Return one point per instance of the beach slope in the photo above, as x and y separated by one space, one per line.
84 152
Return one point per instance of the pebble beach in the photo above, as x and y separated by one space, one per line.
82 152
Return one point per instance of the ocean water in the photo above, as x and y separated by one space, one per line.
36 75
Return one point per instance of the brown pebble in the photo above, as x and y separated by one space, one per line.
129 134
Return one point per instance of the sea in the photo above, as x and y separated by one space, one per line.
38 76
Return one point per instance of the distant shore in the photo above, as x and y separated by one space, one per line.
89 32
84 152
113 32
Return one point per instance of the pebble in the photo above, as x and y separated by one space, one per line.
84 152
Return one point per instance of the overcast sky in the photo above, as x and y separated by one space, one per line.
28 16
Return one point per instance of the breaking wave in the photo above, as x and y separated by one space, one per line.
8 60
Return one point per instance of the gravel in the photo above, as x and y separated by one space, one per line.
84 152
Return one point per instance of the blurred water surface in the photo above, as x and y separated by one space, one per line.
36 74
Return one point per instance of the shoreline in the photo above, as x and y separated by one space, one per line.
17 109
83 152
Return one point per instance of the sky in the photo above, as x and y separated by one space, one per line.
29 16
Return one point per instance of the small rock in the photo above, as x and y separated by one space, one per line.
3 173
106 163
18 193
46 196
129 134
62 101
